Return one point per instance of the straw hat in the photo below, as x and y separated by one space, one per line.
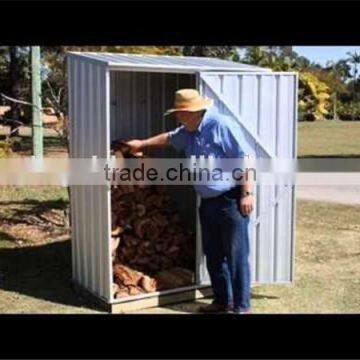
189 100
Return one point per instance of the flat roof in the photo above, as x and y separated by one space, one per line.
163 62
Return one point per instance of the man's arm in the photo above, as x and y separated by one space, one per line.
232 137
176 138
160 140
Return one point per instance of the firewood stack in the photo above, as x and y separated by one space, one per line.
151 248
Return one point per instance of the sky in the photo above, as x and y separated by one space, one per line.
322 54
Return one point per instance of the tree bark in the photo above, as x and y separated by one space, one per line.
15 86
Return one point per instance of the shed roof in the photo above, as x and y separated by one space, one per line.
164 62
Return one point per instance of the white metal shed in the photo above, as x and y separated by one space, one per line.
115 96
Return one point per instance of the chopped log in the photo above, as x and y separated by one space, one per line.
114 245
115 288
117 231
148 284
176 277
143 226
135 290
126 276
122 292
148 238
140 210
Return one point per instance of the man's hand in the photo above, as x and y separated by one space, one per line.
246 205
135 146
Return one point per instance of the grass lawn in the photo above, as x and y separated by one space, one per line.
35 251
315 139
35 259
329 138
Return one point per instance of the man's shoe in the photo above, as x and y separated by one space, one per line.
215 308
240 311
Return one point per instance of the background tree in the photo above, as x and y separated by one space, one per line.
55 74
332 75
15 76
314 97
342 83
343 69
15 84
255 55
354 59
222 52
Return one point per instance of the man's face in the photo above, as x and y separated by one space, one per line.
190 120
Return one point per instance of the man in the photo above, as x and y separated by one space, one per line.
225 208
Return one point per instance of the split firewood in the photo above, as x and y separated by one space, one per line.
135 290
114 245
176 277
115 288
144 226
148 239
148 284
122 292
117 231
120 149
140 210
126 276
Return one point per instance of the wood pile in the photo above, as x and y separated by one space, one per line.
151 249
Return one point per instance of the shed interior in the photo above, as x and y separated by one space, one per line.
138 101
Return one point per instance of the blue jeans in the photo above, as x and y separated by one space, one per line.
225 237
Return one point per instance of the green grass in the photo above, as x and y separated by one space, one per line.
329 139
35 252
315 139
35 270
327 263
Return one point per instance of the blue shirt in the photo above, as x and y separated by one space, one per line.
219 136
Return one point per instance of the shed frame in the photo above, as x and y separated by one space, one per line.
90 91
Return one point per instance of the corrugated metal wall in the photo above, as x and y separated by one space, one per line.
105 105
265 104
90 205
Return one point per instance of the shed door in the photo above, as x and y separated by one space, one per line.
265 107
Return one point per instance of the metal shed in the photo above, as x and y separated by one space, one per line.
115 96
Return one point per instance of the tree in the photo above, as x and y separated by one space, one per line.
333 75
15 81
273 57
223 52
354 59
314 97
255 55
55 74
3 63
54 63
302 63
14 71
342 68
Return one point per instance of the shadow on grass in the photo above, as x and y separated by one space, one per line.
193 306
259 296
55 204
42 272
24 143
7 237
33 212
